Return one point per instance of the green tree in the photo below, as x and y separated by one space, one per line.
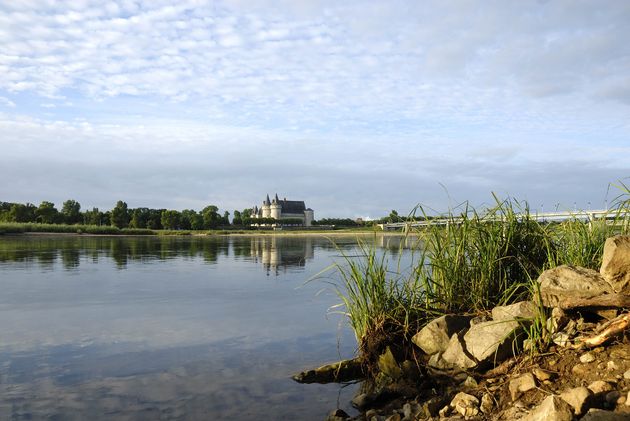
237 220
226 218
47 213
170 219
22 213
93 217
71 212
191 219
120 215
211 217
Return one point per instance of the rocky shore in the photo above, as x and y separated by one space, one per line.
562 355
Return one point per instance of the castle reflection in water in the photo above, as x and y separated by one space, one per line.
277 254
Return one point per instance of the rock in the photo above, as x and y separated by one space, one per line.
444 411
337 415
579 398
612 366
387 364
362 400
626 375
432 406
465 404
520 310
487 403
435 336
612 397
615 267
558 319
564 282
600 387
561 339
542 375
628 399
601 415
456 355
470 382
587 358
491 342
521 384
551 409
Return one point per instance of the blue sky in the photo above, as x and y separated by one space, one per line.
355 107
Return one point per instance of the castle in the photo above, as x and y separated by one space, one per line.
284 209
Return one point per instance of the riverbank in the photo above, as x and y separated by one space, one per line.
463 276
46 229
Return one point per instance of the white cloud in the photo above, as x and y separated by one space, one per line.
370 85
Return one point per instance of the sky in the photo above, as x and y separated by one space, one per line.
355 107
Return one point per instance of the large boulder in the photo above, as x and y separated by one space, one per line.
435 336
570 282
521 310
454 357
491 342
616 263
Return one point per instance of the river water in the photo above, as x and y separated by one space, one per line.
147 328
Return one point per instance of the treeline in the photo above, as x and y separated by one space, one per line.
123 217
120 216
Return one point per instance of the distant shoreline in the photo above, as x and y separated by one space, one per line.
218 234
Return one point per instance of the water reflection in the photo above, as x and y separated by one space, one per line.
280 253
168 328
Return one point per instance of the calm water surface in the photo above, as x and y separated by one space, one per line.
168 328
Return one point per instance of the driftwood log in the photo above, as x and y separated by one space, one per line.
341 371
608 331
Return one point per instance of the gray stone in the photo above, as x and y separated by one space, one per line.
626 375
600 387
565 281
616 263
579 398
465 404
435 336
520 310
551 409
491 341
456 356
601 415
587 358
521 384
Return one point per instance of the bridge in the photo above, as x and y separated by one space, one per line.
587 216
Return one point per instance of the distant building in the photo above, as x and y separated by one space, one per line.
284 209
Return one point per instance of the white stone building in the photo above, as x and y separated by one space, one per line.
284 209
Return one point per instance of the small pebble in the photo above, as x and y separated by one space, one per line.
612 366
626 375
541 374
628 399
587 358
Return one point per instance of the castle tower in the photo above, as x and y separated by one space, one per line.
309 217
266 208
275 207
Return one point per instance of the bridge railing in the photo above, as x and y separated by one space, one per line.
590 215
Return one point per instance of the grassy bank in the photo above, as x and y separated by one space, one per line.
480 260
18 228
28 227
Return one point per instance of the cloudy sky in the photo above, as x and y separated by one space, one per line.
356 107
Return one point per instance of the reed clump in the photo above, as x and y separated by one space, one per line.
473 262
